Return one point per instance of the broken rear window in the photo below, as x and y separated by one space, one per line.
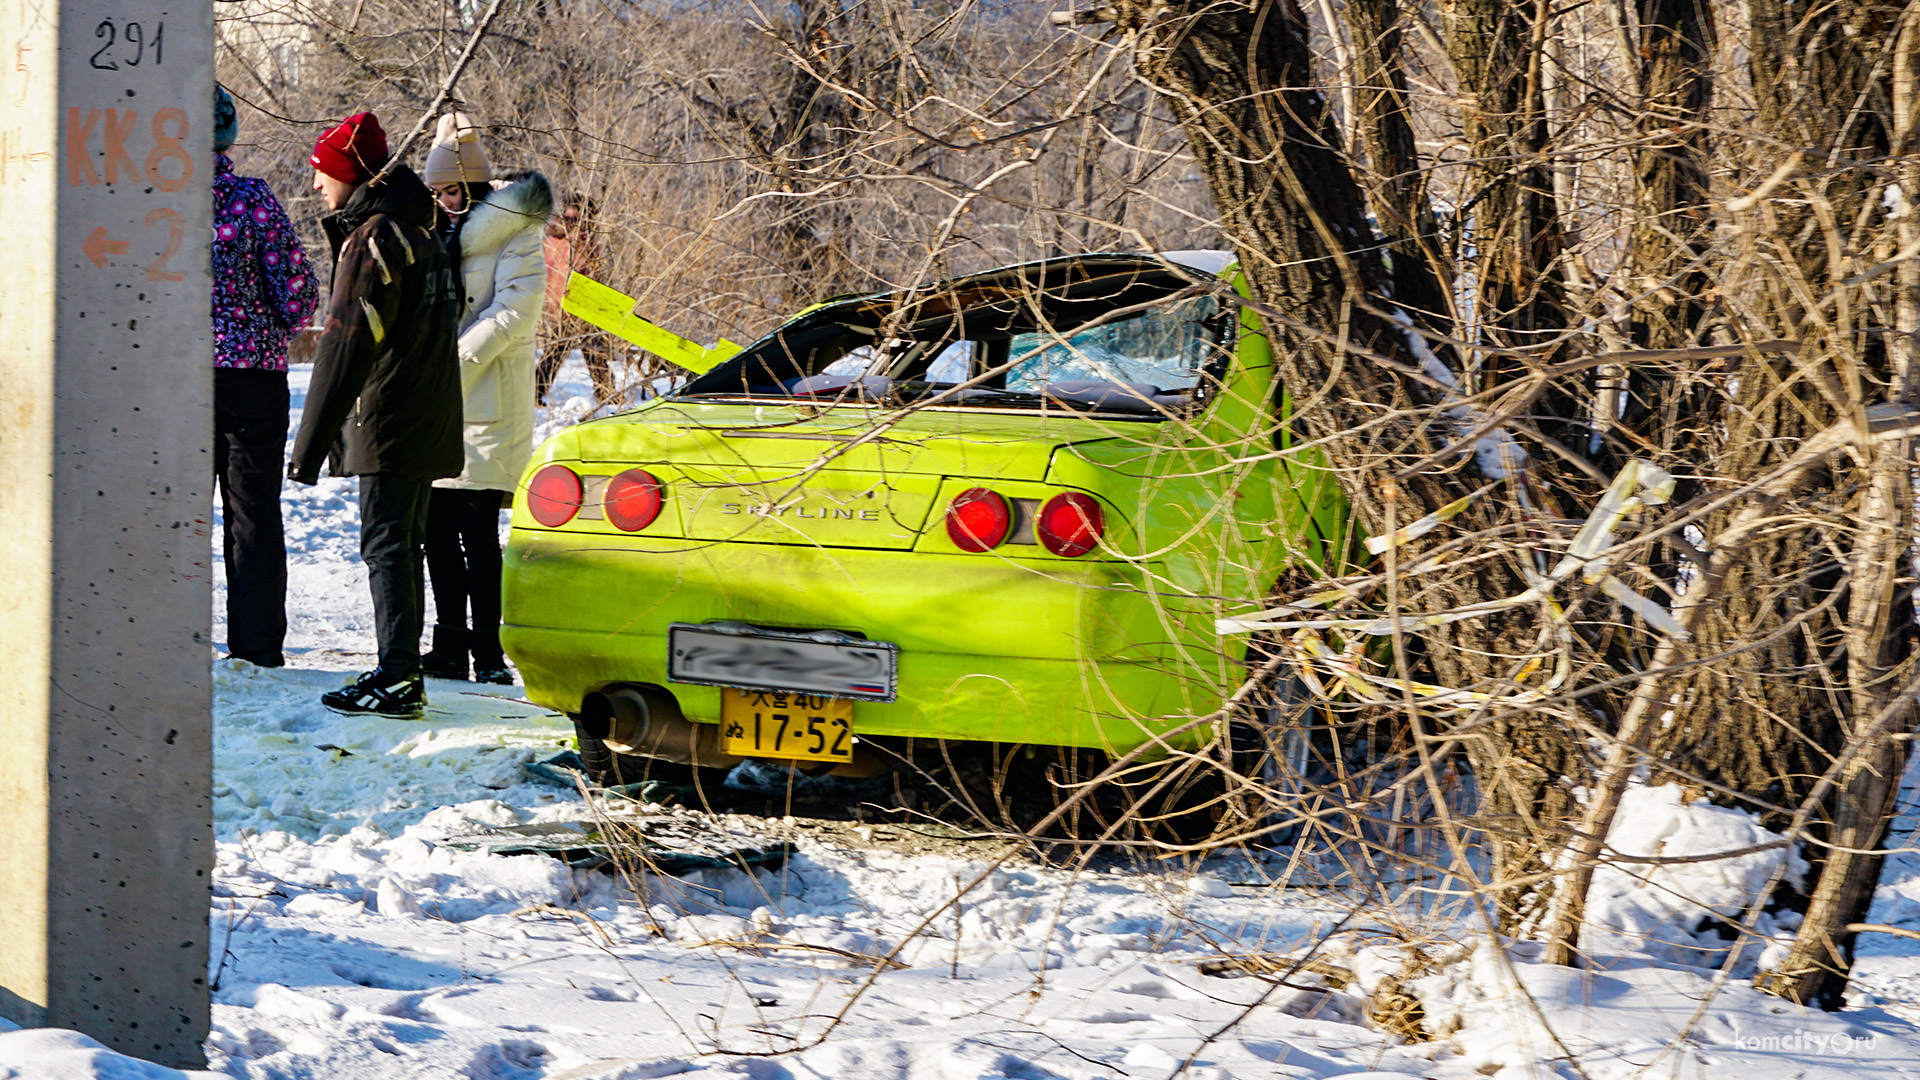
1131 338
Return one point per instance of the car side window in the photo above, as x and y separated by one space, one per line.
953 365
860 361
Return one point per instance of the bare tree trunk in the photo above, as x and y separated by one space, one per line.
1237 74
1496 47
810 122
1396 180
1825 598
1528 764
1672 186
1877 647
1670 283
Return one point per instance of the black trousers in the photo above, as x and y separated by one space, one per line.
393 531
249 459
463 559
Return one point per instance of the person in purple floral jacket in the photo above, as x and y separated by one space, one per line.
263 294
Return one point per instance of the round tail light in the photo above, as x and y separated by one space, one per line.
553 496
978 520
1070 524
632 500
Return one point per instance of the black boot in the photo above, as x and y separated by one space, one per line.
489 663
448 657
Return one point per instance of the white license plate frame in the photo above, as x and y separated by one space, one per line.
826 663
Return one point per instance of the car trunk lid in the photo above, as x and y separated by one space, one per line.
786 475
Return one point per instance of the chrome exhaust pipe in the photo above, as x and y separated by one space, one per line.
645 721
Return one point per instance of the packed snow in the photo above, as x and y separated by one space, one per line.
1670 911
351 939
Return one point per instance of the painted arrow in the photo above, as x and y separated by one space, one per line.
98 247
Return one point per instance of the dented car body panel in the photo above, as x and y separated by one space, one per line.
807 484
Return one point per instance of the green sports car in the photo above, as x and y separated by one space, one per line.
1005 508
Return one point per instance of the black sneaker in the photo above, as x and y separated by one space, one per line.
497 675
379 691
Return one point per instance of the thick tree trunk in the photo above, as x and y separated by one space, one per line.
1672 189
1396 180
810 121
1668 287
1510 216
1510 210
1238 75
1824 592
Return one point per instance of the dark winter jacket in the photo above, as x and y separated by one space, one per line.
386 373
263 289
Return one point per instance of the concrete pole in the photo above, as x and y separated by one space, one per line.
105 440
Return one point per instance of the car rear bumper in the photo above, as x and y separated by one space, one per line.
1070 654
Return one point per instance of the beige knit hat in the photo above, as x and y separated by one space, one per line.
456 157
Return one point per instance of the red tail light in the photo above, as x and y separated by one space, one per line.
978 520
632 500
553 496
1071 524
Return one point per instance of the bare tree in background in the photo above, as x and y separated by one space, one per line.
747 159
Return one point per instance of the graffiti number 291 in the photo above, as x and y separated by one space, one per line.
134 41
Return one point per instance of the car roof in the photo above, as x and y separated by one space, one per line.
1214 263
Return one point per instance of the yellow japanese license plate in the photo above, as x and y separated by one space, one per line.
785 724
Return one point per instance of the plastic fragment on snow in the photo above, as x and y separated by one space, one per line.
585 845
561 770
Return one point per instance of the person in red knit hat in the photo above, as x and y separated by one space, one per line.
351 151
388 360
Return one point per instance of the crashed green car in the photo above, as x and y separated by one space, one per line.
1005 508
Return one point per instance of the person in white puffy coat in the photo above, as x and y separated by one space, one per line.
495 237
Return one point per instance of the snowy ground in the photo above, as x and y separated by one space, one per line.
351 942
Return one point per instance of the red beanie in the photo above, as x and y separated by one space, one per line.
353 150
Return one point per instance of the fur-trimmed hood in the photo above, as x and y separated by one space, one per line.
515 207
